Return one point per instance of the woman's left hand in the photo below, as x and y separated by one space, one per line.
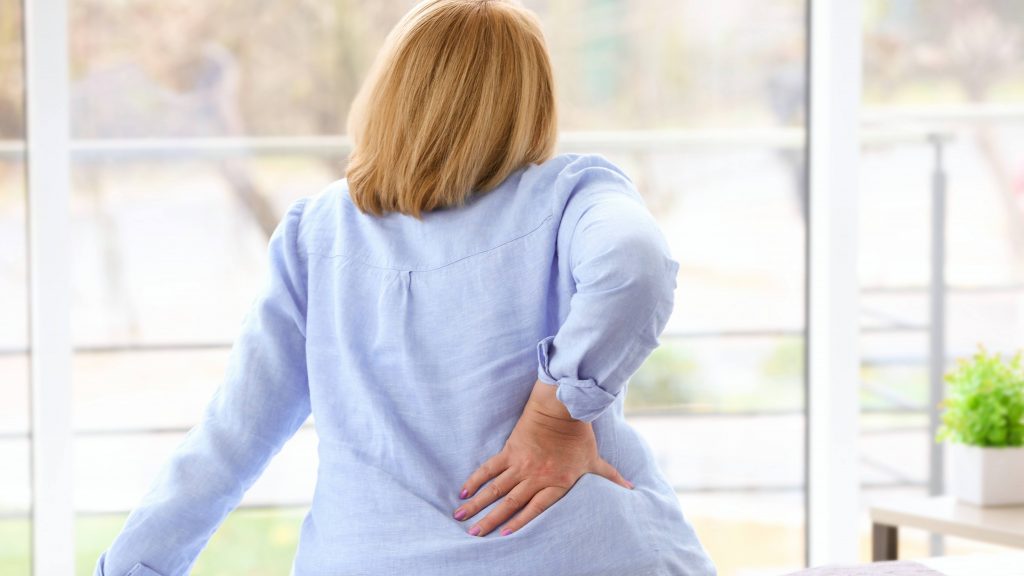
544 456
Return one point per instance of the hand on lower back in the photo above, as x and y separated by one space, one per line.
544 456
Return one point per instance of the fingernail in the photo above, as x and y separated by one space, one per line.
460 514
464 493
474 530
630 484
506 531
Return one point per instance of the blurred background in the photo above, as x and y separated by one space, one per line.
195 124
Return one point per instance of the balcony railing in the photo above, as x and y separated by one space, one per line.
933 127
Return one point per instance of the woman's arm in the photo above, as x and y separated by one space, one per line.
544 401
262 401
625 283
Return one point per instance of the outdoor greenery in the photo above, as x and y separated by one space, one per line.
253 542
985 404
883 387
664 379
676 375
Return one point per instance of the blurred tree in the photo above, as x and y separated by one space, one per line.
917 49
621 64
12 80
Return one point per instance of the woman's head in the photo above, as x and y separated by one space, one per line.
460 96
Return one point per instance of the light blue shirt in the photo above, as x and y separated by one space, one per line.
415 345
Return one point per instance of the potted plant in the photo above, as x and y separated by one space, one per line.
984 423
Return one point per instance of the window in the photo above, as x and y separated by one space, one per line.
194 125
942 95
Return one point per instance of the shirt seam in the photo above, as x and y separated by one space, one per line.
363 262
303 258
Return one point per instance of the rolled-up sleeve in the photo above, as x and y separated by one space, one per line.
260 404
625 279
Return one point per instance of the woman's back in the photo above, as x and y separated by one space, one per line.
422 346
414 319
415 344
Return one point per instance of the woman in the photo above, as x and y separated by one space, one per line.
460 315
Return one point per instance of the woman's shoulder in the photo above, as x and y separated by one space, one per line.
566 171
313 213
333 226
331 223
570 166
572 181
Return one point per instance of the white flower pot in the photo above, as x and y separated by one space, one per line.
987 476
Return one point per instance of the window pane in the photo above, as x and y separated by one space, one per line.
720 375
158 236
15 507
113 471
656 64
730 366
168 392
254 542
951 69
15 443
747 395
169 259
734 222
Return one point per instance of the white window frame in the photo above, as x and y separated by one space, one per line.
48 181
833 359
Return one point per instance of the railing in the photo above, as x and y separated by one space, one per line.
881 128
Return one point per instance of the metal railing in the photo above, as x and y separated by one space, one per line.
881 128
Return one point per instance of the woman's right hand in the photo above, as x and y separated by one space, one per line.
544 456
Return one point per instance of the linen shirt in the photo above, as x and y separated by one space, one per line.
415 345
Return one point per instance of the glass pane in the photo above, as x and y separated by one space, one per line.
170 388
15 443
700 104
254 542
14 389
13 246
113 471
714 211
746 394
720 375
627 65
156 237
730 366
15 507
949 69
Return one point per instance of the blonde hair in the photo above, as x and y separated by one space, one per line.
460 96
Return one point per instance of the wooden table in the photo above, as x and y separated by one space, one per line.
943 515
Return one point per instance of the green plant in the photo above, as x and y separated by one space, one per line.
985 401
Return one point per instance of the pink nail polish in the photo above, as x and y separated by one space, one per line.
506 531
464 493
460 514
630 484
474 530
